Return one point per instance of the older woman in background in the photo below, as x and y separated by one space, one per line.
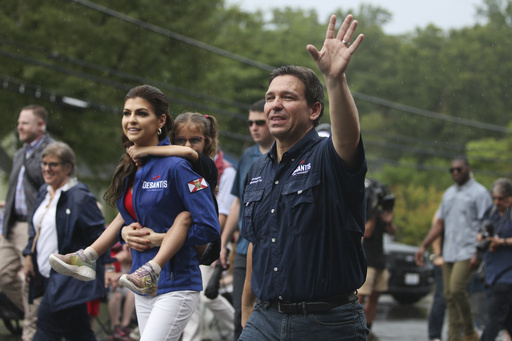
66 217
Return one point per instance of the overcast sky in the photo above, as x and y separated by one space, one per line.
407 14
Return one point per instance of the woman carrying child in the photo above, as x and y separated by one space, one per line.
153 195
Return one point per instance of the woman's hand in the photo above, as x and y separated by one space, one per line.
496 242
135 237
28 269
141 238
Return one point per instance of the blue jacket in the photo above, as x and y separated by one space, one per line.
79 223
163 188
498 263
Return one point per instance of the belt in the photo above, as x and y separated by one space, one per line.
314 306
22 218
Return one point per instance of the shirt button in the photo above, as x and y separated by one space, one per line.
273 240
276 182
272 211
275 269
293 159
281 298
299 192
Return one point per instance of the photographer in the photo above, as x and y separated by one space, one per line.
495 241
379 220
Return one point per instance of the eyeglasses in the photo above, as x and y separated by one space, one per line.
458 169
498 198
259 123
51 165
181 141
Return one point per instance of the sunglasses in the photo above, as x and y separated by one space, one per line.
259 123
458 169
51 165
181 141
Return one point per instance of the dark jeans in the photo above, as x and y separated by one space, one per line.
239 269
500 311
437 311
72 324
343 323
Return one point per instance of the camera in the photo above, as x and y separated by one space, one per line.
378 197
387 202
487 229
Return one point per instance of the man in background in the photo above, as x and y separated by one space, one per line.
261 135
379 220
462 207
24 182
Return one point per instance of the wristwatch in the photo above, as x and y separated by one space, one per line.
434 256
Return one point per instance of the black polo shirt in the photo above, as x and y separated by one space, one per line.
305 218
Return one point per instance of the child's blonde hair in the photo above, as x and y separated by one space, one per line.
206 123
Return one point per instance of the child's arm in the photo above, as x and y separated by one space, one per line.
138 153
174 238
109 237
142 239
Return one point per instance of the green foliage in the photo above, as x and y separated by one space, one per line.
414 208
55 48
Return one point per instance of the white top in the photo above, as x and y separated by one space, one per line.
224 197
47 242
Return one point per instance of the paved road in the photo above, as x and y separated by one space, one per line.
394 322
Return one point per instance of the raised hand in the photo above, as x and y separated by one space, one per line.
333 59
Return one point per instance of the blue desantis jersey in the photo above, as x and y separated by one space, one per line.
163 188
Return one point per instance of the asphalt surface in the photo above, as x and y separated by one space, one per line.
394 322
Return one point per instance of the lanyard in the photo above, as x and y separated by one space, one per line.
41 223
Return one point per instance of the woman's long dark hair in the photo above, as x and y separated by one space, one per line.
126 168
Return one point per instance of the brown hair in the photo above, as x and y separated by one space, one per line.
313 89
206 123
63 152
38 111
126 168
258 106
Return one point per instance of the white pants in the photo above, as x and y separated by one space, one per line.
163 317
223 311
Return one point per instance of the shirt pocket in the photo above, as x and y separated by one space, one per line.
250 198
299 212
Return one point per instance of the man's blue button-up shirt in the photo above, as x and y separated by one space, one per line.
305 217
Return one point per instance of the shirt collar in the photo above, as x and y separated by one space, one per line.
164 142
255 151
34 144
467 184
303 144
63 188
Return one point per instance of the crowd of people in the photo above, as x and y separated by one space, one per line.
307 243
462 243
